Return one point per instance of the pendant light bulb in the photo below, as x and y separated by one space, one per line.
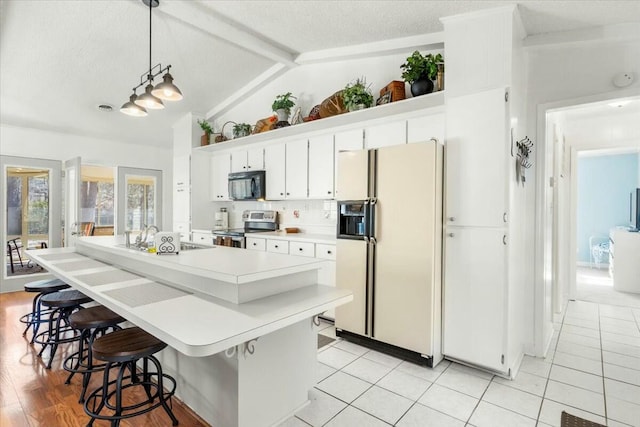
167 90
132 109
147 100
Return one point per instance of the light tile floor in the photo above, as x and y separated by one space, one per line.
592 371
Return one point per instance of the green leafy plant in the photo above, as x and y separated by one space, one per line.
420 66
241 129
357 93
205 126
283 102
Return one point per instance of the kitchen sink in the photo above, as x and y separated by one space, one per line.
183 247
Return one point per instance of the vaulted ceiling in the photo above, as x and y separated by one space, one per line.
60 59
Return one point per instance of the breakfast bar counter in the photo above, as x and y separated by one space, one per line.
237 364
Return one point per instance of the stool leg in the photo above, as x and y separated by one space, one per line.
76 366
118 412
30 323
166 407
38 311
105 390
54 314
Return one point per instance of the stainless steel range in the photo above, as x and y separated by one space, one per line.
254 222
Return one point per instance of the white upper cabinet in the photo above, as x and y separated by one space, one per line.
296 170
220 168
479 51
384 135
181 188
247 160
350 140
274 166
420 129
321 167
476 160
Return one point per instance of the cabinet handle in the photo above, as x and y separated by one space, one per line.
450 234
244 167
248 167
282 194
300 249
328 192
276 246
329 252
504 239
452 218
254 244
504 217
288 194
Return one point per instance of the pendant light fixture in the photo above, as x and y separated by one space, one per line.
152 97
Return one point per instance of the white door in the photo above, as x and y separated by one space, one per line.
321 167
476 160
139 199
239 161
274 166
385 135
475 296
255 159
72 182
296 170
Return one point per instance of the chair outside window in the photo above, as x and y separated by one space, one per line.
14 246
598 250
87 228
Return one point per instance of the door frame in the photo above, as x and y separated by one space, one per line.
15 283
543 303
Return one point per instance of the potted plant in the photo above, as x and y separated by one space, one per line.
206 128
357 95
420 71
241 129
282 106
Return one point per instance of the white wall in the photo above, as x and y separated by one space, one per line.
563 75
313 83
26 142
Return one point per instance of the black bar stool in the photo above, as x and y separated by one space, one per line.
93 322
123 349
62 304
35 318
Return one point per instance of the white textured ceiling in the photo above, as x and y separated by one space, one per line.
60 59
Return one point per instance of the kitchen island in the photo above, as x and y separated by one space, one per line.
250 363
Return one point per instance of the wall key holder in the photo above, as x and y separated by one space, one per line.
524 148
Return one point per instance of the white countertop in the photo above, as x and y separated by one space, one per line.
191 322
327 239
219 262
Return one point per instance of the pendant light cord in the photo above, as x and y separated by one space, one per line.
150 77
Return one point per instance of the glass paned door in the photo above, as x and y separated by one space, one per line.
72 209
139 199
31 204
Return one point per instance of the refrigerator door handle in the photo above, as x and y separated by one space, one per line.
371 218
371 286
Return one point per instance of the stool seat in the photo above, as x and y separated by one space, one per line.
94 317
63 299
126 345
47 286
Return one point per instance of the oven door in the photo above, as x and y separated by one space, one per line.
230 241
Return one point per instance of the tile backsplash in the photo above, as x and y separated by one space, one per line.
310 216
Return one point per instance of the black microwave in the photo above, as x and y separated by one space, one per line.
247 185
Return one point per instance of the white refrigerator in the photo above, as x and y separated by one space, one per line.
389 246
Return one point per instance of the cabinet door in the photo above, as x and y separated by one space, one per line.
296 170
475 296
274 166
220 167
181 189
255 159
239 161
321 159
255 244
476 159
386 134
424 128
350 140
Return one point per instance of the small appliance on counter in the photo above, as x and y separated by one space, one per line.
254 222
221 220
167 242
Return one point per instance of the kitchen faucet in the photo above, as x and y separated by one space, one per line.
141 242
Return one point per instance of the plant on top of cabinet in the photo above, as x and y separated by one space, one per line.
420 70
357 95
206 128
282 106
241 129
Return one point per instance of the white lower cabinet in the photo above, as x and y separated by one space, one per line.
278 246
256 244
302 249
203 238
474 296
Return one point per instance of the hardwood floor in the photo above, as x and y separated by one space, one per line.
31 395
